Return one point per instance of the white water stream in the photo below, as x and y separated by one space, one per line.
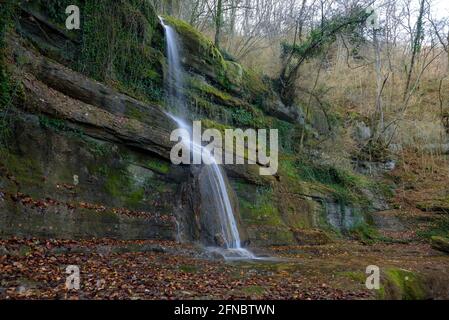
215 175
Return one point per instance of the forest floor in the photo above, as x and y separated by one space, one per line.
110 269
35 269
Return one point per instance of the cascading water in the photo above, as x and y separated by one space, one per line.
215 177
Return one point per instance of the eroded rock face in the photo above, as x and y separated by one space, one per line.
342 217
117 192
200 217
55 90
64 222
118 147
88 130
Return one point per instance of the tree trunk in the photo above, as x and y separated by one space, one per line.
379 86
415 46
218 22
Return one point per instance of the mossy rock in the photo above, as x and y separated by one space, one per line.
264 236
365 233
64 223
400 284
46 154
158 166
329 181
210 124
26 172
255 87
258 206
311 237
212 93
437 206
120 44
201 107
261 215
206 59
199 50
440 244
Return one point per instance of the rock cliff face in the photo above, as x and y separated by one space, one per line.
88 153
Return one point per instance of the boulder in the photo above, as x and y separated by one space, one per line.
362 132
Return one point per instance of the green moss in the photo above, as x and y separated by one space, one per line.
208 90
439 228
365 233
99 149
249 117
205 47
114 181
119 184
357 276
254 86
134 113
266 212
57 125
287 167
397 284
158 166
404 285
26 171
259 207
330 175
217 105
188 268
254 291
203 107
288 135
440 243
274 235
7 91
436 205
234 72
117 44
209 124
344 185
135 198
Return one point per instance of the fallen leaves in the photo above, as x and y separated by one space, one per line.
175 273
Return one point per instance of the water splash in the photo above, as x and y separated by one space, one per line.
175 84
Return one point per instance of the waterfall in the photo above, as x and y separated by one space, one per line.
214 174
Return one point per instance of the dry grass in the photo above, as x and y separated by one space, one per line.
348 87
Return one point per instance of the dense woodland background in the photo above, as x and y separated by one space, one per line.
394 72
